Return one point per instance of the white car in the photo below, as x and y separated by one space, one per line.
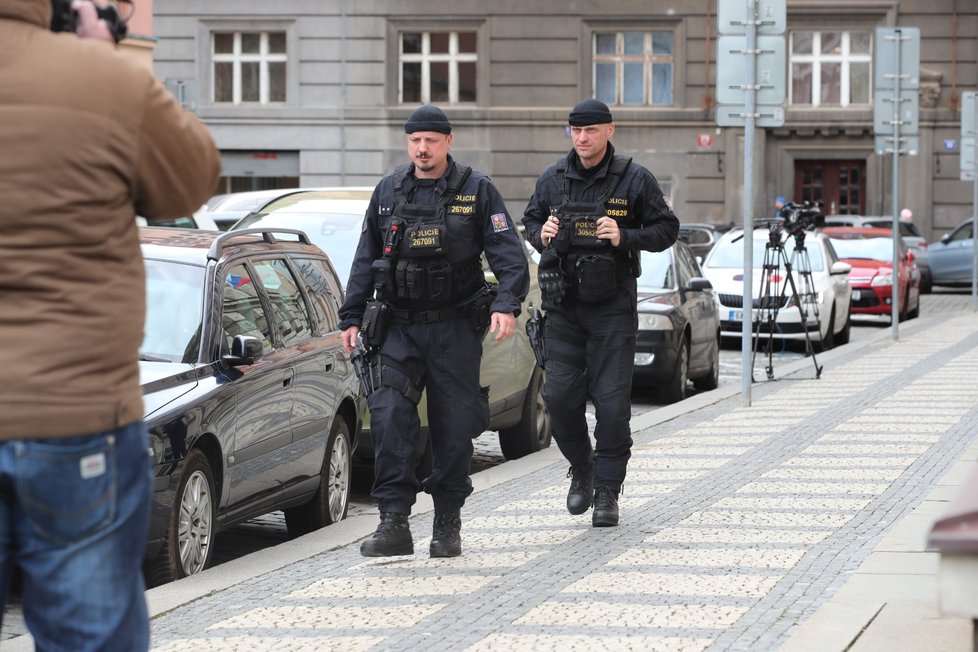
827 299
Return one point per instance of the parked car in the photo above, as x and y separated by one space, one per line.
870 253
908 231
333 218
952 258
701 237
251 403
827 304
678 336
195 221
226 209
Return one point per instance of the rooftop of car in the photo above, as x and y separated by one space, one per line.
352 194
195 247
856 232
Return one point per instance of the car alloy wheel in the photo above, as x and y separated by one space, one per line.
196 523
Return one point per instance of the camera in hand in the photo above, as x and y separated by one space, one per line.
64 19
798 218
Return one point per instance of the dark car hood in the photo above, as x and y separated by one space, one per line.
164 382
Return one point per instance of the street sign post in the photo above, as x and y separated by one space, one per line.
895 116
751 73
969 172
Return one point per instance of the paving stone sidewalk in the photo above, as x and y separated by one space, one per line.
738 523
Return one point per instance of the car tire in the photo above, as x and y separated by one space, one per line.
712 379
845 334
675 388
532 433
828 340
332 498
926 283
189 544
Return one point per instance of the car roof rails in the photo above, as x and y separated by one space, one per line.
214 253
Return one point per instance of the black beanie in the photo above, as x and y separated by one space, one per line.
428 118
590 112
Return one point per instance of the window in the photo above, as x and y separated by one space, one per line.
634 68
437 67
830 68
242 313
321 290
288 305
249 67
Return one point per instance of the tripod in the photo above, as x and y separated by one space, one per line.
769 304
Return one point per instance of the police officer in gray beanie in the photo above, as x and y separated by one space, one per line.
591 215
418 299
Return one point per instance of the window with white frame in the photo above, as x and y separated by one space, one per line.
437 67
831 68
249 67
634 68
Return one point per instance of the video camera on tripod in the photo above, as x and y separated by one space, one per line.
798 218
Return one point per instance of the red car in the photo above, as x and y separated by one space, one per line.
870 252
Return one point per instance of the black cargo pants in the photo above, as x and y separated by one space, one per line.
447 354
590 355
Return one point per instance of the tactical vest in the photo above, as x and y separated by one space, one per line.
588 261
423 274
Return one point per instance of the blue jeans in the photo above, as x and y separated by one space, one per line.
74 514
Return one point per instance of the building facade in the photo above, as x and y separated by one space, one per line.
315 93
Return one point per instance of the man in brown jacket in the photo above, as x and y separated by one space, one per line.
89 138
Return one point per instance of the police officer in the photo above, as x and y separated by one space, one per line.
418 298
590 215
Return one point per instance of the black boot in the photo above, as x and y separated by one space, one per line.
392 537
581 492
605 507
445 538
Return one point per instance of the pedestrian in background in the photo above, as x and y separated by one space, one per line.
417 293
89 138
591 214
906 215
778 205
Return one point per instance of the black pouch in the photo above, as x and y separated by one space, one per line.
375 324
595 276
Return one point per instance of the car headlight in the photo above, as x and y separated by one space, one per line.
882 279
650 321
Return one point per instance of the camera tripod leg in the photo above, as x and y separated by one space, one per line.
809 347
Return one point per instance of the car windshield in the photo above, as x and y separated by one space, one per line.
729 254
174 297
335 233
865 248
657 274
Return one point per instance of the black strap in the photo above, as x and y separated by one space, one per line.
616 170
459 175
408 384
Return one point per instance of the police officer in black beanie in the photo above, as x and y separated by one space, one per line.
590 216
417 297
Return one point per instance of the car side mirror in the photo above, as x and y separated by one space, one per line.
245 349
699 284
840 268
946 238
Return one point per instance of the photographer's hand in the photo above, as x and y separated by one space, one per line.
89 24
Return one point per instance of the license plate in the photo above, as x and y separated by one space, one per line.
736 315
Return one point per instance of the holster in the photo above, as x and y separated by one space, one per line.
535 326
482 310
376 322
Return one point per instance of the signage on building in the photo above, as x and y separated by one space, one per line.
704 140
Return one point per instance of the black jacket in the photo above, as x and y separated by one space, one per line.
477 221
646 221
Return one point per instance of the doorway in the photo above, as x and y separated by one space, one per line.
839 185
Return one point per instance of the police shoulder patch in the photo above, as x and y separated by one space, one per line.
499 222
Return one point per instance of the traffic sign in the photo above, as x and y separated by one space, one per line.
888 39
770 67
885 111
732 17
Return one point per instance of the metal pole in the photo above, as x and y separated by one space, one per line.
747 323
974 237
895 307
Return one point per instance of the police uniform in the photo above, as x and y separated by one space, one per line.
434 340
590 330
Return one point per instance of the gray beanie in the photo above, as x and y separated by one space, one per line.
428 118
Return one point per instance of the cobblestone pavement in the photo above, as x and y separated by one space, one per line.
737 523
